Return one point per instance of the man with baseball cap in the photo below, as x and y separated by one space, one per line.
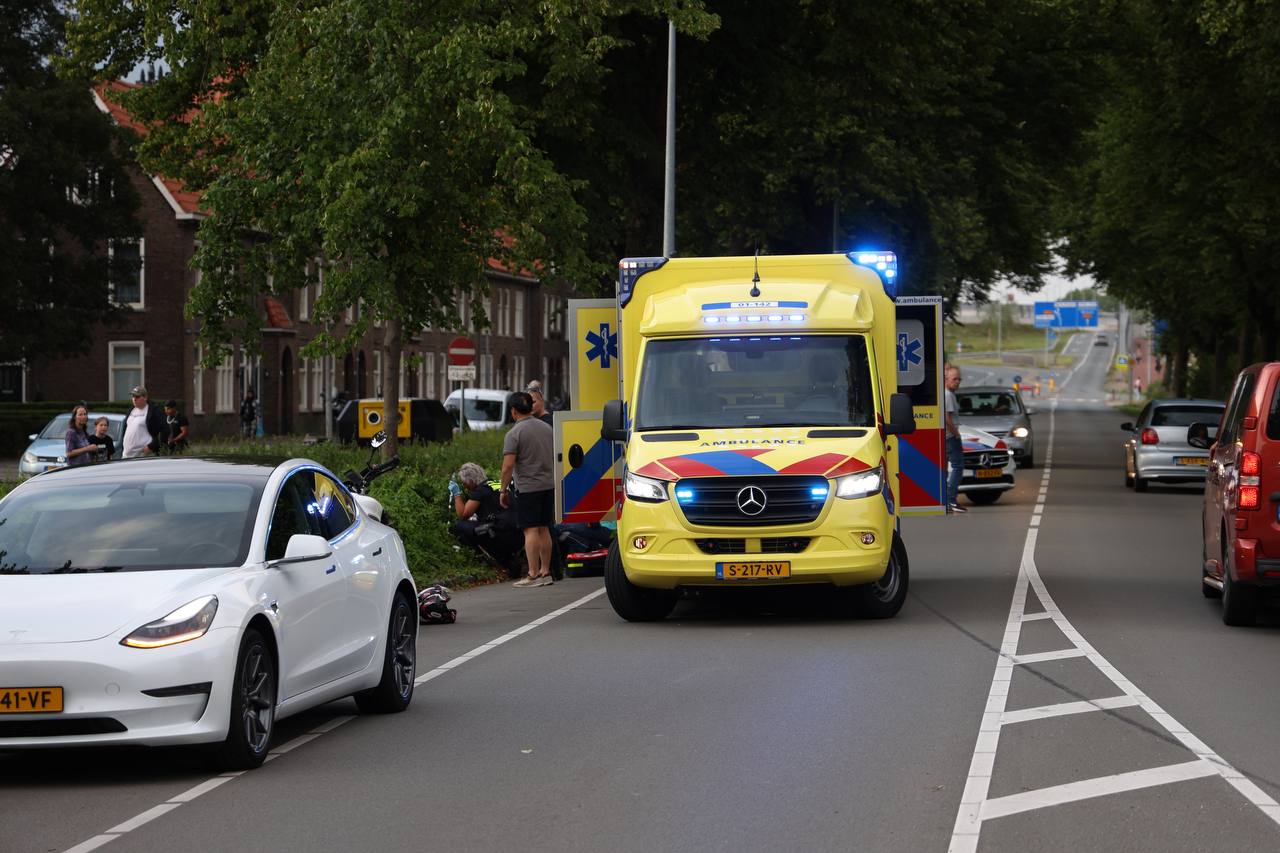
145 428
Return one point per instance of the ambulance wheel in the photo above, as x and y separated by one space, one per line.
883 598
631 602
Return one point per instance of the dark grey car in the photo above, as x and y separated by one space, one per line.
999 410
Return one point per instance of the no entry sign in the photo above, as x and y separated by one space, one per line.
462 351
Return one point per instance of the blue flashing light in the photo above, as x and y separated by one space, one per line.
684 495
884 264
819 491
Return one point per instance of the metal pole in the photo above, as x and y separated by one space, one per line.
669 188
1000 329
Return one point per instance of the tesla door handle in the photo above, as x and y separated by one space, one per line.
330 570
377 552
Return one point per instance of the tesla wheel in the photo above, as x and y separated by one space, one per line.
883 599
631 602
399 663
1239 600
983 498
253 705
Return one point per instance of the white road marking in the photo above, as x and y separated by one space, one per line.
976 807
324 728
1089 788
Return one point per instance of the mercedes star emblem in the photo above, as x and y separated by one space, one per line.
984 461
751 500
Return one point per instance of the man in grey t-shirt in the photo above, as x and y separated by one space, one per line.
528 452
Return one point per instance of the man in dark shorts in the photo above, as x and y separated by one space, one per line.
528 453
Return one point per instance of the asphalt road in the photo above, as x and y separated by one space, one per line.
770 722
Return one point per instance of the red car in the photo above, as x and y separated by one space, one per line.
1242 495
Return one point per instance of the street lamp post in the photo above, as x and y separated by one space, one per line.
669 184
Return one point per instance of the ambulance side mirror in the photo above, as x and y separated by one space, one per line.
902 420
612 426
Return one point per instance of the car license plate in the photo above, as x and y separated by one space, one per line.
990 472
1191 460
30 700
731 571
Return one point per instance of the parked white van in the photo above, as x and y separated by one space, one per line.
487 408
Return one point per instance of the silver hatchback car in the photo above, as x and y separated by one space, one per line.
999 410
1156 449
48 447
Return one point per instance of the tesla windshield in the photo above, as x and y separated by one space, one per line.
48 528
784 380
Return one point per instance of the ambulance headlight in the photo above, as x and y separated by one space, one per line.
644 489
858 485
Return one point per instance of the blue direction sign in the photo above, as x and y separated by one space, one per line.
1066 315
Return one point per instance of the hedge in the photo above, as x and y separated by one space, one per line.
416 495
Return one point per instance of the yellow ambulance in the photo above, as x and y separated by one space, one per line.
758 429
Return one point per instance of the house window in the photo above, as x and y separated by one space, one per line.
304 310
377 373
317 383
225 380
197 382
125 366
427 376
520 379
442 377
127 280
518 329
304 372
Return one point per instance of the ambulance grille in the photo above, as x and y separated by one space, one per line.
773 545
788 500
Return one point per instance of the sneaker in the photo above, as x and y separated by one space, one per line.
526 581
957 508
543 580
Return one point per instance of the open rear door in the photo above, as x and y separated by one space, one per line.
922 458
588 484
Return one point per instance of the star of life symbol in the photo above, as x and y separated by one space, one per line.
603 345
908 352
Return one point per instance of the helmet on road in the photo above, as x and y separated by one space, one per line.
433 605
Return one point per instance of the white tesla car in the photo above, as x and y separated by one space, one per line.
183 601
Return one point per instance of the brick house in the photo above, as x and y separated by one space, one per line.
156 346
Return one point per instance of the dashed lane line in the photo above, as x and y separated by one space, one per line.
977 807
324 728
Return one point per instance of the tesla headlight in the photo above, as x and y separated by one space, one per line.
859 485
1021 432
28 458
644 489
188 622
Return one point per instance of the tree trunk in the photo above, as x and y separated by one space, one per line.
1218 377
392 345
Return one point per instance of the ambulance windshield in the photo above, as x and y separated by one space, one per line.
749 381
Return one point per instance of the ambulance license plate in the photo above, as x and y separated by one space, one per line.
30 700
772 569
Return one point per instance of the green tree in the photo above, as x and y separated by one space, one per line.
64 194
397 144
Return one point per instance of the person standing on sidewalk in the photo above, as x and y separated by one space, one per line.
955 446
145 428
528 453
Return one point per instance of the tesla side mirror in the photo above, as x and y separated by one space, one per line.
902 419
1198 436
371 506
1030 412
612 425
303 548
1126 426
31 437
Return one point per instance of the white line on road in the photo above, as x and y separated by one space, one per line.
324 728
976 807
